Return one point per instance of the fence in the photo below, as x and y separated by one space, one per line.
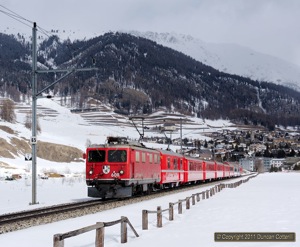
205 195
58 239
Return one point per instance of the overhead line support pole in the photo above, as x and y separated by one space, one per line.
34 122
35 95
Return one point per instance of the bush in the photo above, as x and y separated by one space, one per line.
7 111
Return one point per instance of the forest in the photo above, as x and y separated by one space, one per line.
139 76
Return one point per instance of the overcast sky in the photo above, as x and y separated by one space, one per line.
268 26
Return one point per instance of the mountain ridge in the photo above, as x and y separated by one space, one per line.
231 58
137 76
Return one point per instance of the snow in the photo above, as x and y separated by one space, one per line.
267 203
60 126
231 58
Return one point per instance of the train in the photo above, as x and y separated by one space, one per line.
120 169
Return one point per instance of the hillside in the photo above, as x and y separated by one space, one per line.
138 76
231 58
64 134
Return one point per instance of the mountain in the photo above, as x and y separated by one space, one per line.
231 58
139 76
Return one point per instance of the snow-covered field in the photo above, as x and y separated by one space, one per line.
268 203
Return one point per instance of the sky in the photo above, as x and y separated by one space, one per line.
267 26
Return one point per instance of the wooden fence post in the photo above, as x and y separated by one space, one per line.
193 199
145 220
123 230
179 207
207 194
187 203
198 197
99 242
171 211
57 242
203 195
159 217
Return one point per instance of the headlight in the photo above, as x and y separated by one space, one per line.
91 172
121 172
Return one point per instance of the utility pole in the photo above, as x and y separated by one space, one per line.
33 124
181 136
35 96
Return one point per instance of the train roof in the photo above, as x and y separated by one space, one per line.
121 142
169 152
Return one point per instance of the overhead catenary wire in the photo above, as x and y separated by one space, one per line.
21 19
14 15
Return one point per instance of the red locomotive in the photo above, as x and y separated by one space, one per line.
121 169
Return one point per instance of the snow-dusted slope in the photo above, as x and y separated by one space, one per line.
231 58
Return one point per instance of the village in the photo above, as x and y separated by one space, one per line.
255 149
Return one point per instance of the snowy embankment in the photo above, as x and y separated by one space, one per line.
267 203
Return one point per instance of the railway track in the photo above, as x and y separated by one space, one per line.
25 219
28 218
44 211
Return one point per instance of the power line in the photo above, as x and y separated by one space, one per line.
14 15
21 19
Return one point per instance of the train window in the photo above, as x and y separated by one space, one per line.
158 159
117 156
169 164
96 156
150 158
180 164
137 157
155 158
175 164
143 157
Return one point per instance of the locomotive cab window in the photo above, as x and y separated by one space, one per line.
117 156
96 156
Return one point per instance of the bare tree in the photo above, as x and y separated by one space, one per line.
28 122
88 142
7 111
